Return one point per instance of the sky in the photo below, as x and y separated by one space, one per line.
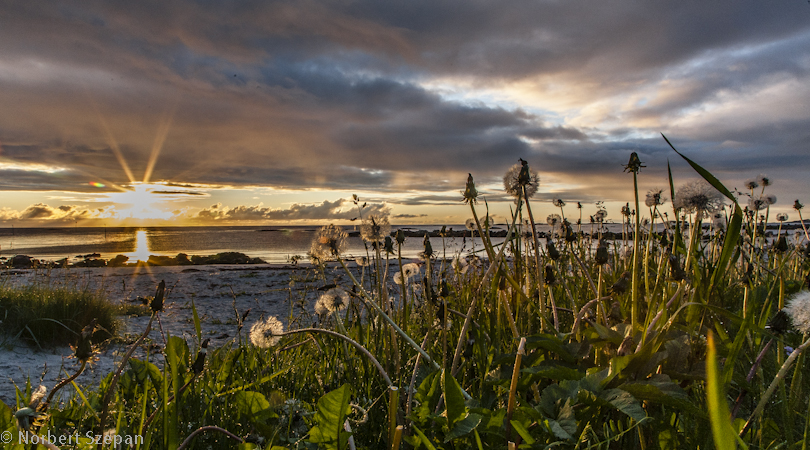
277 112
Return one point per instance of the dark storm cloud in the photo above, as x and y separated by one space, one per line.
342 95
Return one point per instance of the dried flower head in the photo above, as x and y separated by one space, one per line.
558 202
513 183
798 309
375 228
600 215
654 197
763 180
751 184
334 299
757 203
266 334
470 193
781 217
553 220
797 205
329 243
470 224
699 197
770 199
408 271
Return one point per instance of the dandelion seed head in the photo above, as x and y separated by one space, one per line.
751 184
764 180
558 202
757 203
654 197
553 220
375 228
601 214
781 217
798 308
513 184
267 333
770 199
335 299
329 243
470 224
699 197
408 271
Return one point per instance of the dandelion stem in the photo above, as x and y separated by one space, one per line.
385 316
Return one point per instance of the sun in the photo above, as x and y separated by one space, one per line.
141 202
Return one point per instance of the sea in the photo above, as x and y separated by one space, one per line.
273 244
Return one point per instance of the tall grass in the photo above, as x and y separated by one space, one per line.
595 344
44 316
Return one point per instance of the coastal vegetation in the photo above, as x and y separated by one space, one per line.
688 331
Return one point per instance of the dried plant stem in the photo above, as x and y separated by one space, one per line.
510 407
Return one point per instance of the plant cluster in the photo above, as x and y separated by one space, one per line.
581 341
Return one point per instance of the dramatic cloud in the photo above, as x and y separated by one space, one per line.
40 212
399 99
337 210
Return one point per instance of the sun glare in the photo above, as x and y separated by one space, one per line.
141 252
140 202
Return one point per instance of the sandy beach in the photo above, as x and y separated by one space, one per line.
219 292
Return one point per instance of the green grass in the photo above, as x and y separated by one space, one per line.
47 316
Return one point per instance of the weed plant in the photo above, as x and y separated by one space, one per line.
676 334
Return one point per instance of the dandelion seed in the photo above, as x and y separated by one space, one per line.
654 197
334 299
699 197
781 217
798 309
553 220
513 183
375 229
266 334
329 243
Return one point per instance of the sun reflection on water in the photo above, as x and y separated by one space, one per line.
141 252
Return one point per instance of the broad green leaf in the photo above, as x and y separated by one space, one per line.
463 427
332 411
428 395
661 389
142 369
624 402
453 399
522 431
423 439
253 405
551 371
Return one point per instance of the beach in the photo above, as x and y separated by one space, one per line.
222 294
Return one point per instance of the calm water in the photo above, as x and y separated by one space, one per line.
273 244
